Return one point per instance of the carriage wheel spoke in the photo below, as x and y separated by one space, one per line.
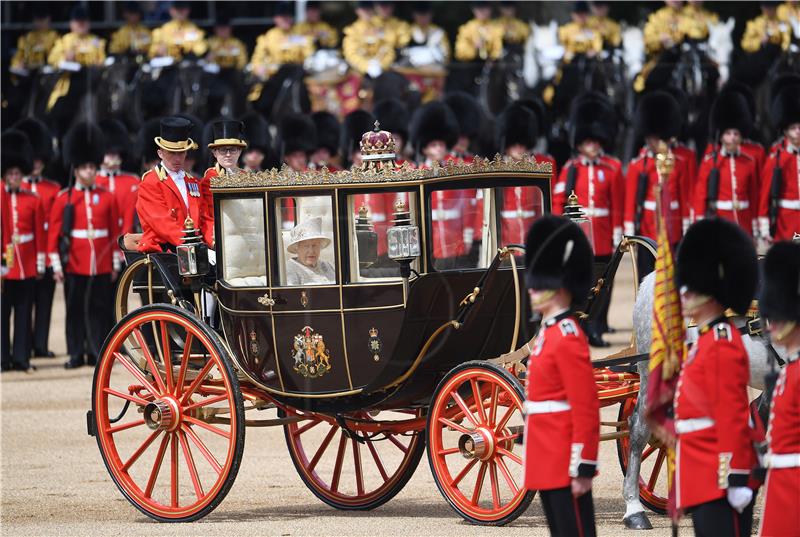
196 382
378 462
476 493
649 451
512 484
148 356
463 406
206 402
322 447
476 394
306 427
505 453
202 447
138 453
357 462
208 427
132 398
136 372
167 357
187 454
493 404
448 451
337 469
454 425
504 420
495 485
506 437
151 482
651 484
173 482
129 425
397 443
187 349
464 471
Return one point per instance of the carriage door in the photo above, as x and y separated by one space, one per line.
306 293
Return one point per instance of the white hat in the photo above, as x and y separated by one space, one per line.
310 228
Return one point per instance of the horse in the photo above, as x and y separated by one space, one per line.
758 351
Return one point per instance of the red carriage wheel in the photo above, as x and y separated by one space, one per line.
474 422
348 471
653 488
169 418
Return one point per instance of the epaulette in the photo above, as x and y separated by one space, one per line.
745 155
214 168
722 332
568 327
709 156
161 173
637 158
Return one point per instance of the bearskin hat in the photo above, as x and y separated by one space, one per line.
433 121
782 81
39 136
785 109
517 124
730 111
468 113
145 148
356 123
16 152
593 117
780 295
655 115
256 132
718 259
537 106
116 136
558 254
297 133
745 91
392 114
84 143
329 131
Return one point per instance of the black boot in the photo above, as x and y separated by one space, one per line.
40 353
596 340
74 362
91 360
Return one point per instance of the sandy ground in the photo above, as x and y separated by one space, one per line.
53 481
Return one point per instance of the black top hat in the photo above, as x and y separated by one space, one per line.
228 132
175 134
285 9
558 255
16 152
356 123
593 118
131 7
297 133
393 116
79 13
730 111
718 259
580 6
181 4
785 109
422 7
656 115
40 137
433 121
517 124
779 299
467 111
256 132
84 143
223 18
116 136
329 131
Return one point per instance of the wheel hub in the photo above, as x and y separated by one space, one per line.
479 444
162 414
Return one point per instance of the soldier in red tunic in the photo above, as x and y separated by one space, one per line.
23 244
85 255
124 186
716 271
227 147
562 410
468 112
780 304
168 194
393 116
297 140
779 207
727 184
42 141
258 155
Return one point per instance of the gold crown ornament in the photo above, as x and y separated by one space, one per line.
377 148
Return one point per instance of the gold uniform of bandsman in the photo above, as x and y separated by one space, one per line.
225 50
515 30
133 37
425 33
400 29
34 46
280 45
369 46
322 34
179 37
578 37
608 28
767 29
790 12
481 38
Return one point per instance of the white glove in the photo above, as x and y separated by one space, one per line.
739 497
374 68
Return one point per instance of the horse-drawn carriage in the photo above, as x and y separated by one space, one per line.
379 345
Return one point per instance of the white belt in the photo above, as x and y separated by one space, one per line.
693 425
783 460
651 205
89 233
596 211
789 204
21 239
517 214
445 214
730 205
544 407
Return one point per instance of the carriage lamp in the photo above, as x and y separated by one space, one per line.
193 252
403 238
574 211
366 239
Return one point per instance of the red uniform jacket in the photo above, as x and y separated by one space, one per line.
47 191
748 147
162 210
205 187
688 158
737 198
125 189
521 206
677 211
715 441
23 236
562 424
381 211
789 199
781 516
599 187
93 248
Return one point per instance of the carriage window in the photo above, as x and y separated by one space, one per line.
371 219
243 248
460 230
306 253
519 206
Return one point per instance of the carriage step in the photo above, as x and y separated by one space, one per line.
90 428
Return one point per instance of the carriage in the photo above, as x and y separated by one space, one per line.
405 346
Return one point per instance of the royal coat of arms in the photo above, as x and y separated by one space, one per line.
311 358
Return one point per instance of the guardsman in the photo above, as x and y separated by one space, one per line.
579 37
227 147
133 38
41 139
468 112
23 243
767 31
687 157
608 28
727 183
84 255
168 194
258 155
716 270
326 154
780 304
515 30
368 46
280 45
655 122
180 37
123 186
297 140
34 46
779 203
322 34
428 35
393 116
400 29
562 411
479 39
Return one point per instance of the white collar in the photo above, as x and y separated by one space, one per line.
180 174
82 187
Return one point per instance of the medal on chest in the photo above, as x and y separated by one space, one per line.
193 189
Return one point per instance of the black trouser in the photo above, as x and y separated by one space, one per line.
89 313
600 322
43 307
17 297
568 516
719 519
